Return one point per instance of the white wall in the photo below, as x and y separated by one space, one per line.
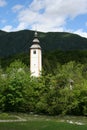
35 62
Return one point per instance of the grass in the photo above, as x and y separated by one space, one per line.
35 122
40 125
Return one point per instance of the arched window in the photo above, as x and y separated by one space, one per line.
34 52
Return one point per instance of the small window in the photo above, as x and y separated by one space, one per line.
34 52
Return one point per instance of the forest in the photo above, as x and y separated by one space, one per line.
12 43
60 90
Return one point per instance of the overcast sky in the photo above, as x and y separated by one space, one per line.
44 15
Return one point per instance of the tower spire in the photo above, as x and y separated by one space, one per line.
36 40
35 34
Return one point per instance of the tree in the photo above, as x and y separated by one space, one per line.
17 81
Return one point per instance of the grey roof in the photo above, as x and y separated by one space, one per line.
36 40
35 46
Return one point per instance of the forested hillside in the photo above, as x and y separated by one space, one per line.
18 42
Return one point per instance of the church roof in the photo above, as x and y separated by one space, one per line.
35 46
35 42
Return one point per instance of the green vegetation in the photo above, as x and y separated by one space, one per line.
40 125
6 116
61 90
50 94
62 87
20 42
34 122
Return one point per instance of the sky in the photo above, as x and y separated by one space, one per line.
44 15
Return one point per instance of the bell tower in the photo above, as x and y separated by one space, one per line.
35 57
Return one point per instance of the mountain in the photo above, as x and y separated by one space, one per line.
19 42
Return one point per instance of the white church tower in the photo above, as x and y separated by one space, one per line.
35 57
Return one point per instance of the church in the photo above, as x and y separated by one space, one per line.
35 57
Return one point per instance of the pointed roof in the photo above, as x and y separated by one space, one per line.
35 42
36 38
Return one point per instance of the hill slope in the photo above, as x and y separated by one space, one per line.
18 42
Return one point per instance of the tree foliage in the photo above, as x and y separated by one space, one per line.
61 89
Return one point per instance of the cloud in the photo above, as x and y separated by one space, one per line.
2 3
55 13
7 28
21 26
17 8
37 5
49 15
10 28
33 16
81 33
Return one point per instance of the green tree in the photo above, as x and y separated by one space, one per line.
17 80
